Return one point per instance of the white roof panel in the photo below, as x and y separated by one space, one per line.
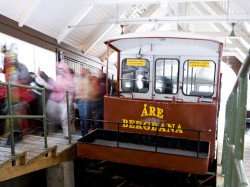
86 24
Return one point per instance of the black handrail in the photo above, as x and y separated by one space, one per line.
157 131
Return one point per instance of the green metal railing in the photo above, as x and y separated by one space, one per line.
68 116
234 131
10 116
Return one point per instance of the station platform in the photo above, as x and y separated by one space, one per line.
30 154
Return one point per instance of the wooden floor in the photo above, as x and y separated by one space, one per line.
32 156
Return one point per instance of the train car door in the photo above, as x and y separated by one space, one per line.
136 77
166 77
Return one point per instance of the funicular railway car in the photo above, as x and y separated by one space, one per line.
164 114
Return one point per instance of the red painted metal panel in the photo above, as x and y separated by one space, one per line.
143 158
173 118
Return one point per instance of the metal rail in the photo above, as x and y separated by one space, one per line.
118 124
11 116
234 131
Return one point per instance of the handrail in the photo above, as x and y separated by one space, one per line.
10 115
135 79
68 116
234 131
156 134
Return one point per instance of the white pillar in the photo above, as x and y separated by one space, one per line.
61 175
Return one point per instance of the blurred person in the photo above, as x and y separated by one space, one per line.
56 106
43 80
9 67
40 80
1 59
16 73
36 104
3 107
24 76
72 104
83 99
99 87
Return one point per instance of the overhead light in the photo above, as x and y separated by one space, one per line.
232 34
122 27
138 56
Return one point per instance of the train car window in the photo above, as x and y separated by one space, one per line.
199 78
166 76
135 75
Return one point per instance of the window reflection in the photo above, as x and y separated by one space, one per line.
199 78
135 75
166 79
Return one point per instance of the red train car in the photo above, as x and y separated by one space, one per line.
165 112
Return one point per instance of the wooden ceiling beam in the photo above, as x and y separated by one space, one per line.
28 12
